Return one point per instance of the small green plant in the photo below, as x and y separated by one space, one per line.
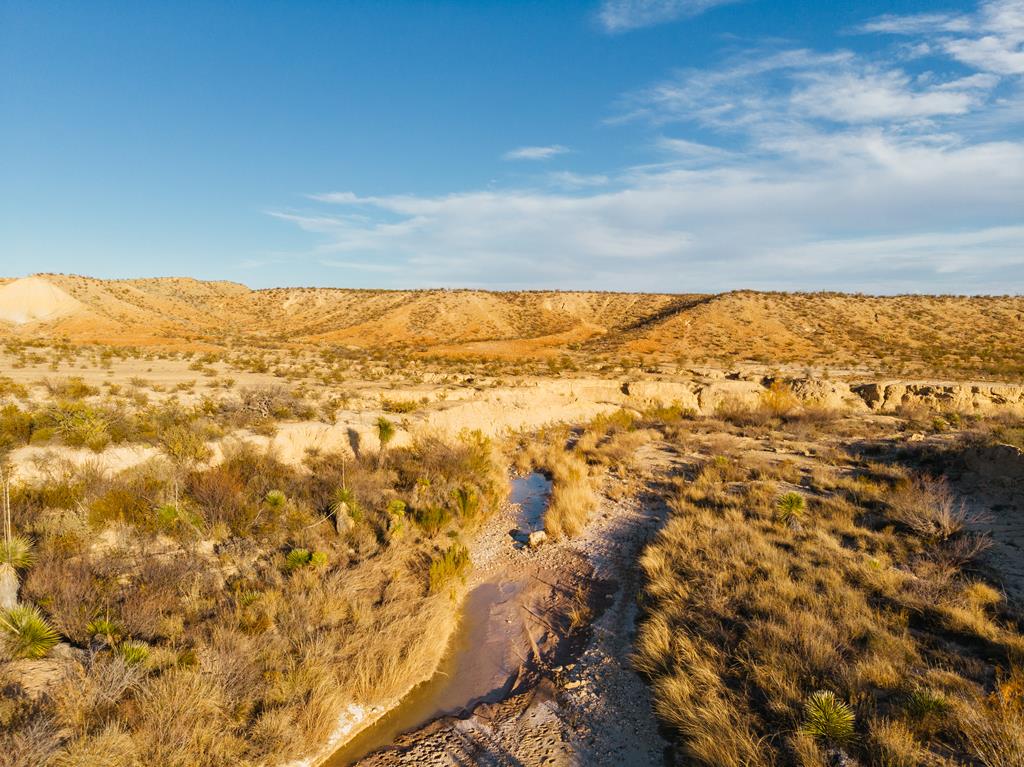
828 718
276 499
297 559
396 517
467 502
451 565
790 508
385 432
926 707
28 633
345 503
16 551
133 653
104 629
432 519
317 559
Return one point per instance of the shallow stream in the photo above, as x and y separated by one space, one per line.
484 655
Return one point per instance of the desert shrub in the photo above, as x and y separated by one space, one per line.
25 633
778 400
927 507
184 444
398 406
80 425
16 427
467 503
266 403
72 590
73 388
10 388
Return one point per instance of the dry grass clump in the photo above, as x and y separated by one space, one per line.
578 464
223 615
771 644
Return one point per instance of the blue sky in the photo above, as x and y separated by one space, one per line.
669 145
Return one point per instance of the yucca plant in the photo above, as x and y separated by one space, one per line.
133 653
16 551
828 718
297 558
275 499
790 508
104 629
27 633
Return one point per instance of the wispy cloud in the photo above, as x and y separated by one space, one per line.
535 152
784 168
992 39
624 15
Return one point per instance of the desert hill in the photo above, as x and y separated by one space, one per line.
966 335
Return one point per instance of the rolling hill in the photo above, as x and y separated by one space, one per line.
975 335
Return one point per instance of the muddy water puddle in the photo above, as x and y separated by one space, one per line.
531 493
480 665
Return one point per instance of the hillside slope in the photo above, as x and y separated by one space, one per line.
974 336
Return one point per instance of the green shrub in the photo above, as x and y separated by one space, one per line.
828 718
467 502
27 633
432 519
184 444
104 628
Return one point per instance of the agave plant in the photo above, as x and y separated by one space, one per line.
790 508
27 633
828 718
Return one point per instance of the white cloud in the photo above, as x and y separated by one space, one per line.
624 15
570 180
991 39
763 223
776 169
535 152
883 95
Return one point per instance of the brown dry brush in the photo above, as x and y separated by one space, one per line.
193 639
748 618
